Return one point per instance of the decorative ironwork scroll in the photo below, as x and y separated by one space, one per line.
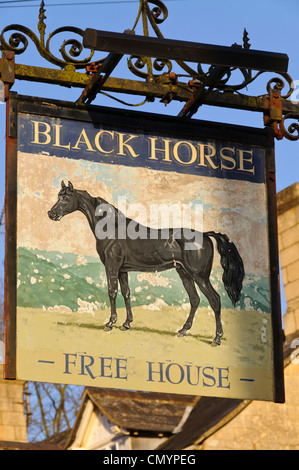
293 128
168 80
18 43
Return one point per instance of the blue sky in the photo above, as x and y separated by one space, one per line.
271 27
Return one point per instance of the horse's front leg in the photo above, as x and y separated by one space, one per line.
125 290
112 278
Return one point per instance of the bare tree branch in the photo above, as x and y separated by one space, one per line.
53 409
41 409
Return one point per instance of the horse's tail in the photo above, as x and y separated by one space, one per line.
232 265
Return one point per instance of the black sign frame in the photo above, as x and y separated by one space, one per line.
159 124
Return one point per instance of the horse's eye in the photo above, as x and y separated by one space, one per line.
65 198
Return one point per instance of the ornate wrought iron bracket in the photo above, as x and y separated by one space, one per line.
273 117
99 78
156 76
202 90
276 115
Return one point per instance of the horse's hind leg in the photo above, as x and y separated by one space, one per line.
125 290
214 299
112 279
193 297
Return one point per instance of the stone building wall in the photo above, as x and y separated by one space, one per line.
12 415
288 237
263 425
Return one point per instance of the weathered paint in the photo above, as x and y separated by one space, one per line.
65 341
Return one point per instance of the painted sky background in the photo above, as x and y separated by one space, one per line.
271 27
242 219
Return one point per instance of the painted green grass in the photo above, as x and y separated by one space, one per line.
49 279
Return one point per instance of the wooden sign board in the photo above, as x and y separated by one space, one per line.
141 252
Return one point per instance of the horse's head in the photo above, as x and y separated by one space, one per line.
66 204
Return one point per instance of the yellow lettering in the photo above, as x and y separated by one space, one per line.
227 158
165 150
248 160
57 138
38 132
203 155
85 141
122 144
191 147
97 141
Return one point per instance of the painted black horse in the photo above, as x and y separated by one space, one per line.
152 254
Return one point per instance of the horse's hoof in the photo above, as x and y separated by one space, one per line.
108 328
215 343
124 328
181 333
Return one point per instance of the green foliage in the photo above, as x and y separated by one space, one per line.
49 279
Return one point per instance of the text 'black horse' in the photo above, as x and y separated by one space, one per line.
120 256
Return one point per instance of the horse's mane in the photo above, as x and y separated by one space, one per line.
95 201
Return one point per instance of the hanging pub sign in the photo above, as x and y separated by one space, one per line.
141 252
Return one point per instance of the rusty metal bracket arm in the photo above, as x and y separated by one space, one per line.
71 78
153 89
203 90
7 70
101 75
273 116
277 111
99 78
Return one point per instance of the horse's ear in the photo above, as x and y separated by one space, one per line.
63 185
71 187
